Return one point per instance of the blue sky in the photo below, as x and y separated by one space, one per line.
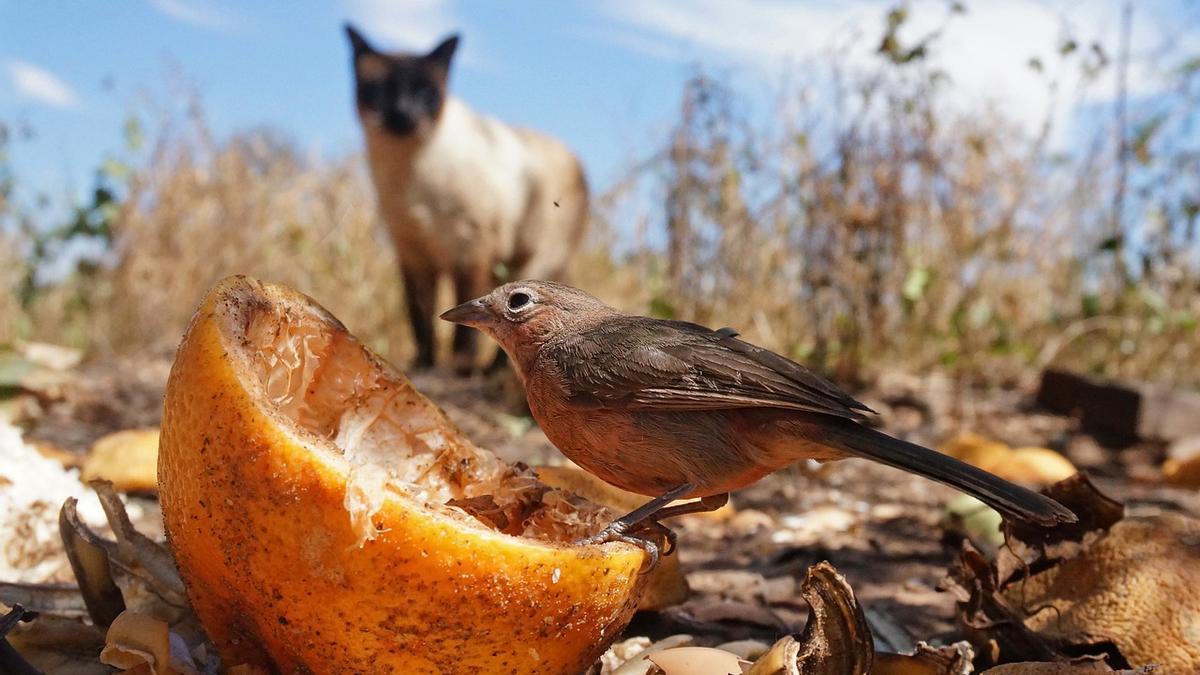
604 76
288 68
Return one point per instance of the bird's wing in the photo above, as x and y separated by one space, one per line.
640 363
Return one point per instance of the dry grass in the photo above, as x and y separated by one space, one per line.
879 229
13 319
199 210
867 231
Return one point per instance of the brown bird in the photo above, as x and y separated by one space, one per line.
671 409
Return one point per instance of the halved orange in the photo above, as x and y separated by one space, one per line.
327 518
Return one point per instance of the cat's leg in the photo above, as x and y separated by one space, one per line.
420 291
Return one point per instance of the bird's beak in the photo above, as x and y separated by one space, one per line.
473 313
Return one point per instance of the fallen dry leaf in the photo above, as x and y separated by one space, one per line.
718 609
57 599
952 659
837 640
137 557
90 562
1136 587
132 571
53 645
1126 588
1067 668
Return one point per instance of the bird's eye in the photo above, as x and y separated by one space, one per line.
519 300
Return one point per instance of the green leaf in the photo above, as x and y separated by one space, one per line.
515 426
13 369
803 350
114 169
916 283
662 308
896 16
977 520
134 137
1111 244
1190 209
1190 66
1185 320
1154 300
979 314
1144 135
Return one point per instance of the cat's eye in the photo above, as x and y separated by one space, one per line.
519 300
369 90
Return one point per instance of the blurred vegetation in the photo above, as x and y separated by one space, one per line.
887 224
872 221
176 214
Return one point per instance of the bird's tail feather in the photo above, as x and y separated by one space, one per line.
1007 498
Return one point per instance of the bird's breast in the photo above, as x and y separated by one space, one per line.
650 452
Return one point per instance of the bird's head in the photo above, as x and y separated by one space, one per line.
524 315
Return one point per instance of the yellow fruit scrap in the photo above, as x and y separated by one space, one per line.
140 643
1182 466
1031 466
128 459
696 661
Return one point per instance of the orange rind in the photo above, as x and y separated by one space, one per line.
327 518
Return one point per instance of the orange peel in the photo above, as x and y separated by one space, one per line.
326 517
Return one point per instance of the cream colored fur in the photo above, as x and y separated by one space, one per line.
471 194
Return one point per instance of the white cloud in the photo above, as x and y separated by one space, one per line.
411 24
417 26
986 51
197 13
38 84
744 31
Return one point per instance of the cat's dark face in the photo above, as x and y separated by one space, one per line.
402 93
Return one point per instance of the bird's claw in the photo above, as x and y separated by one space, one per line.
660 533
660 542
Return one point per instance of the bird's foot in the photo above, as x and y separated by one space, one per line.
661 533
654 538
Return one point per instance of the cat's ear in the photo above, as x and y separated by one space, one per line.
444 51
357 42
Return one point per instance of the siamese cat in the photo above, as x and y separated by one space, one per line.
462 194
